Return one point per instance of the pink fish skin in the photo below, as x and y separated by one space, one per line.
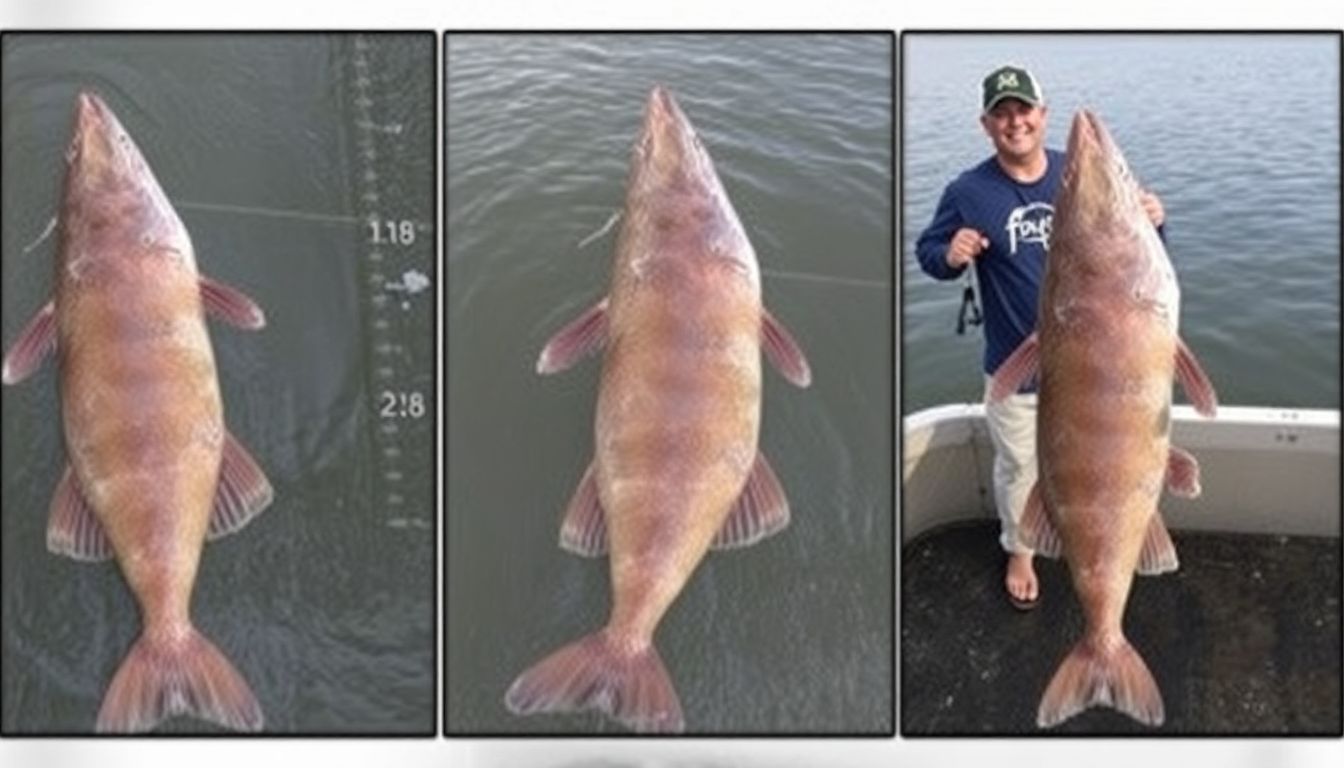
1107 351
152 470
676 470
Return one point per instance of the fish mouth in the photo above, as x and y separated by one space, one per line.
668 141
1098 188
100 146
663 114
1093 157
1087 134
91 114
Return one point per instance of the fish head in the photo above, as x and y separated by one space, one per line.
1101 233
672 178
111 189
669 151
102 152
1098 194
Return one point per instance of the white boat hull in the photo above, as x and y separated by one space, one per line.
1263 470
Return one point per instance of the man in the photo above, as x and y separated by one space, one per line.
998 215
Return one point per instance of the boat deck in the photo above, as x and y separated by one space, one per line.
1243 639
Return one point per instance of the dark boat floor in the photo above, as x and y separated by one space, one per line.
1243 639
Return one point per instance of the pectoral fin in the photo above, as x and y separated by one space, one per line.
584 531
231 305
72 528
783 352
1195 382
1017 369
760 511
35 342
243 490
582 337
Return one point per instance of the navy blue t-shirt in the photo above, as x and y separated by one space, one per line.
1016 218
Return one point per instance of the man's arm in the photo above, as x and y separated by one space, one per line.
934 241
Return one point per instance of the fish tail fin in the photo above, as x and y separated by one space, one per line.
170 674
627 682
1112 675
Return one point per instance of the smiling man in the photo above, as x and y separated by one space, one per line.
997 215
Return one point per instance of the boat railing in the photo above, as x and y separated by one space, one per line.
1263 470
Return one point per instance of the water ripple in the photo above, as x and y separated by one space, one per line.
540 129
1249 177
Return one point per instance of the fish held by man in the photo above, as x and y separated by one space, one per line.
1106 350
676 469
152 471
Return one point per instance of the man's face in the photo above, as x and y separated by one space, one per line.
1016 128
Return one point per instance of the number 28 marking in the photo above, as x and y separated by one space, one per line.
401 405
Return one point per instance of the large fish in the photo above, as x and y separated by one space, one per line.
152 470
1106 349
676 469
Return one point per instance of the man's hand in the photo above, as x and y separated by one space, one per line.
966 244
1153 207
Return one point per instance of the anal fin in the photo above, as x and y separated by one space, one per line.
243 490
72 528
584 531
1036 530
1159 552
760 511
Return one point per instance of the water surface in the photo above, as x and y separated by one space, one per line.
1239 136
793 634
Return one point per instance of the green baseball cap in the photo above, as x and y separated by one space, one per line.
1010 82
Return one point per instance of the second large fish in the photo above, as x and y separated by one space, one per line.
676 469
1106 349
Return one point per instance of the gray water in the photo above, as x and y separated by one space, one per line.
265 144
1238 134
793 634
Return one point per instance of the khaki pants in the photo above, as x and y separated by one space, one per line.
1012 427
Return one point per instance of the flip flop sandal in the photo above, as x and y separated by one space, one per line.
1025 605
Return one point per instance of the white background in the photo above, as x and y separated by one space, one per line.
699 14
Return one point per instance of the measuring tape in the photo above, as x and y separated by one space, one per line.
398 262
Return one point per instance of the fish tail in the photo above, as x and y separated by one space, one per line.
1112 674
167 674
626 681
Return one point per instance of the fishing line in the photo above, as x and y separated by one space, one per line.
279 213
611 222
45 234
854 282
